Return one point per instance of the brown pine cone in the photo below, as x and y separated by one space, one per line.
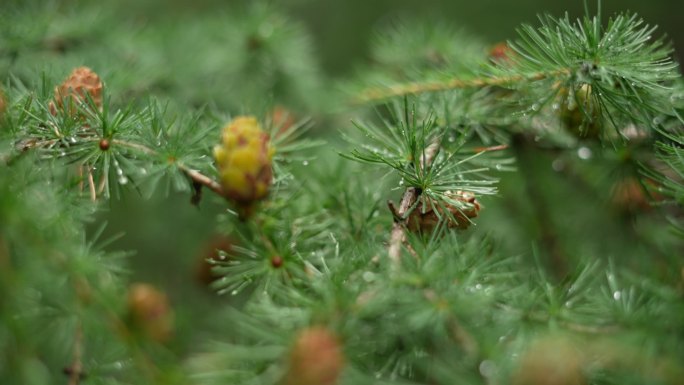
427 220
550 361
315 359
149 312
72 92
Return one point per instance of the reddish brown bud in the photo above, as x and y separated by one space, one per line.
277 261
501 53
104 144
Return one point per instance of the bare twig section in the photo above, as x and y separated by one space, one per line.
380 93
91 185
75 371
410 195
203 180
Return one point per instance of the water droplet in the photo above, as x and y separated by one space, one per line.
62 153
401 182
368 276
305 163
451 139
617 295
498 167
119 172
478 286
72 139
143 171
535 107
234 292
123 180
584 153
558 165
555 106
487 368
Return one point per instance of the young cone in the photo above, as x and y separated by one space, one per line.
315 359
579 113
423 218
149 312
551 360
244 160
72 92
210 252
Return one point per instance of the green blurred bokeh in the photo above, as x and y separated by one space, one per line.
341 29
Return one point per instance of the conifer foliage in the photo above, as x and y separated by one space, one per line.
503 213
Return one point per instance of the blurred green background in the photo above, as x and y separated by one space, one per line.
341 29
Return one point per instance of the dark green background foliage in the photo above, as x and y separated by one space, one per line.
577 249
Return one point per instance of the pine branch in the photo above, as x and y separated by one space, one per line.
75 371
194 175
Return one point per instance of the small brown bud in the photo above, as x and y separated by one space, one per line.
104 144
501 53
277 261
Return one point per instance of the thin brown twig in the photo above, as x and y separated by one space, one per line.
75 371
410 195
455 83
91 185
